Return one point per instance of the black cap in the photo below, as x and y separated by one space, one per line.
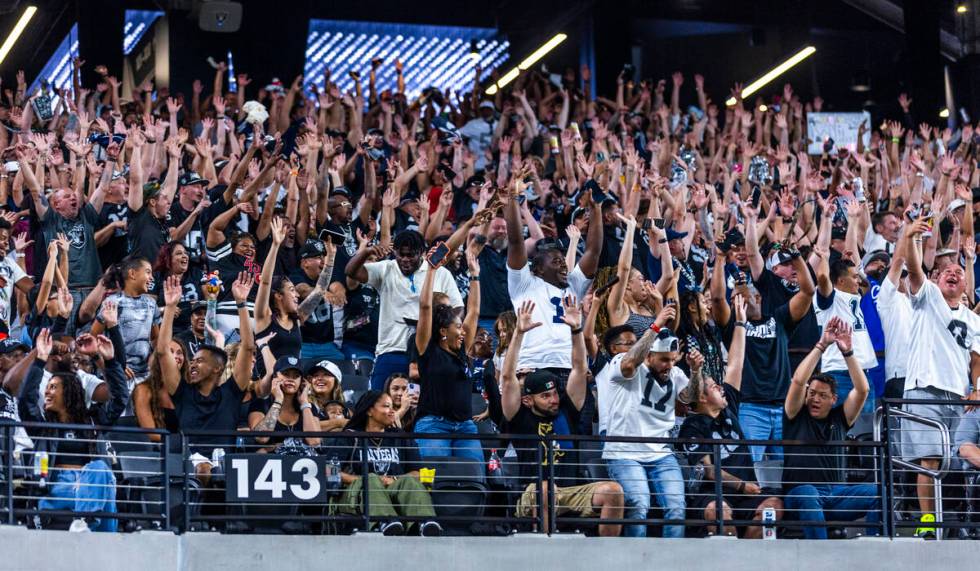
191 177
312 249
734 237
197 305
10 345
286 363
540 381
475 180
838 233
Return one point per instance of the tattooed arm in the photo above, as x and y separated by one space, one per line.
313 299
638 352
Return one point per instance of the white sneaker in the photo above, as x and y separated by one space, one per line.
79 525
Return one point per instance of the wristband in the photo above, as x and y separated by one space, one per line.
662 241
276 403
655 328
847 354
240 304
305 406
576 331
474 278
896 139
740 324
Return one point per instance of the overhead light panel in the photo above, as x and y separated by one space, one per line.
19 27
944 114
774 73
962 9
527 62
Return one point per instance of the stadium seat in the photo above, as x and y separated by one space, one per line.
458 490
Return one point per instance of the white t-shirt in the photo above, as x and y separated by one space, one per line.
399 296
89 384
480 133
551 344
940 342
11 274
847 306
637 406
874 241
895 313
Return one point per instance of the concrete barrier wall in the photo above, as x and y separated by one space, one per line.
24 549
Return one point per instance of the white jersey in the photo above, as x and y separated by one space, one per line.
551 344
943 339
895 313
846 306
637 406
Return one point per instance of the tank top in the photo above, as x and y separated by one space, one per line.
640 323
287 342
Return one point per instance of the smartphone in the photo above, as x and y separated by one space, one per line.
756 196
329 235
659 223
597 193
438 255
414 388
602 291
647 224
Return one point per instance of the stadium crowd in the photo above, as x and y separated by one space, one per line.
623 266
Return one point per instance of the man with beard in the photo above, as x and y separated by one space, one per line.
494 297
341 221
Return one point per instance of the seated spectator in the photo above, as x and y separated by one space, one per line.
404 400
81 480
287 409
394 489
715 414
152 404
538 408
200 400
324 378
813 474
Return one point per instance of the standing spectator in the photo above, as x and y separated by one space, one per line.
12 274
316 270
479 132
494 297
149 211
637 392
174 260
139 316
813 474
190 209
715 415
942 364
540 409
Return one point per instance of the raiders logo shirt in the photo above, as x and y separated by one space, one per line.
736 459
943 339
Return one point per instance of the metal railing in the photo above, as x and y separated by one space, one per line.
233 482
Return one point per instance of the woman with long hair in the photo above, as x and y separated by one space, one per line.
174 260
151 401
394 489
442 340
696 332
406 403
80 480
277 306
288 408
633 300
323 378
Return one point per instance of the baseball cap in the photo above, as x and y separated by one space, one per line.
198 305
191 177
475 180
325 365
578 213
945 252
151 190
665 342
487 105
286 363
311 249
875 256
540 382
674 234
778 257
9 345
734 237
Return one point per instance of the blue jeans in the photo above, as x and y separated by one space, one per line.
320 351
662 477
385 365
91 489
471 449
837 503
844 386
353 350
762 422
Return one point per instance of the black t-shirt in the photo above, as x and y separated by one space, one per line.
361 316
446 388
816 463
147 234
287 342
262 406
736 460
84 268
566 453
347 250
228 264
117 247
776 292
319 326
220 410
494 297
386 456
766 371
190 284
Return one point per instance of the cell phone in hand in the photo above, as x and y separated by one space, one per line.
327 235
647 224
602 291
659 223
414 389
438 255
756 196
597 193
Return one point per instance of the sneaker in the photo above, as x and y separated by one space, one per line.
430 529
79 525
926 532
393 528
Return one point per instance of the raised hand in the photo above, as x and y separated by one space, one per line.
525 321
86 344
172 291
695 360
278 231
106 349
842 335
572 312
43 344
21 242
110 314
65 302
738 305
242 286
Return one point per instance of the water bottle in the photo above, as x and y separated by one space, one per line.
217 459
41 469
332 471
769 523
493 466
859 189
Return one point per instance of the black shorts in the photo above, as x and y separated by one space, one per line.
743 507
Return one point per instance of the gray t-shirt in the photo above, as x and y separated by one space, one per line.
84 268
137 316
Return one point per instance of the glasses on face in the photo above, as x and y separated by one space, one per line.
621 343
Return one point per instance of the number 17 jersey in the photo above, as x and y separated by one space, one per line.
637 406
